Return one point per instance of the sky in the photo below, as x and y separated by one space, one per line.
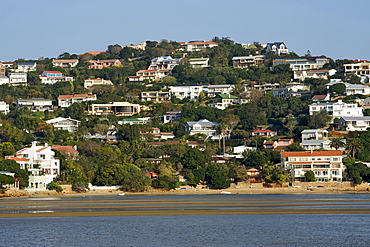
47 28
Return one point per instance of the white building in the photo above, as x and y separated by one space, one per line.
69 124
51 77
327 165
190 91
94 82
199 62
337 109
44 157
65 63
36 104
354 123
204 127
302 63
4 79
4 107
17 79
199 45
351 89
171 117
164 62
25 67
222 101
313 139
116 108
213 90
68 100
323 74
156 96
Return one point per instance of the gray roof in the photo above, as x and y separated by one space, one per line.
314 142
355 118
313 130
203 122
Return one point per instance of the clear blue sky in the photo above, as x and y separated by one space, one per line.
47 28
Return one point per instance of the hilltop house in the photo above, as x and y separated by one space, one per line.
302 63
278 48
25 67
94 82
101 64
327 165
204 127
65 63
17 79
116 108
35 104
69 124
68 100
199 45
51 77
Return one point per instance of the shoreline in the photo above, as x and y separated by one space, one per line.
232 191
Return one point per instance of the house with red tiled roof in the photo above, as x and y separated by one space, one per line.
279 145
69 151
327 165
68 100
321 97
199 45
41 158
65 63
101 64
95 82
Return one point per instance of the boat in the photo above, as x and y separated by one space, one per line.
121 194
225 192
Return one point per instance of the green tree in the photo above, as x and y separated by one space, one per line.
5 179
319 119
310 176
75 111
134 179
217 175
338 88
353 146
337 143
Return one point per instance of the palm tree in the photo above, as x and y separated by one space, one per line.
353 146
337 143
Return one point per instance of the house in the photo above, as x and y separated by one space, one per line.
7 65
354 123
132 121
351 89
17 79
199 62
65 63
204 127
241 149
150 75
314 134
263 132
140 46
337 109
4 107
359 69
157 134
104 138
60 123
321 97
255 175
313 139
69 151
213 90
51 77
199 45
25 67
222 101
44 157
68 100
2 70
278 48
247 61
171 117
191 90
116 108
94 82
94 53
366 103
164 63
327 165
156 96
320 74
302 63
101 64
35 104
279 145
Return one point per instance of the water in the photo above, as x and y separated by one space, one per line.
192 230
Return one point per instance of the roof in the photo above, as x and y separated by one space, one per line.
27 63
188 85
203 122
95 52
321 96
262 131
41 149
65 60
76 96
313 153
356 118
58 119
52 72
201 42
226 96
65 149
17 159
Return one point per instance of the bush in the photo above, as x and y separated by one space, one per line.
54 186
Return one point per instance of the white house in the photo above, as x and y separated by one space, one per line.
354 123
4 107
25 67
190 90
213 90
199 45
69 124
51 77
222 101
337 109
351 89
156 96
327 165
171 116
278 47
94 82
44 157
68 100
164 62
323 74
65 63
116 108
4 79
36 104
204 127
302 63
199 62
17 79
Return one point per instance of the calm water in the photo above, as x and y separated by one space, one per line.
196 230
